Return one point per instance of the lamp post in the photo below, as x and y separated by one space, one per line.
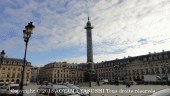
165 64
26 35
2 57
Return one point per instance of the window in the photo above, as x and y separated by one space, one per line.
3 68
151 65
18 75
13 75
140 65
160 56
27 75
8 74
150 58
18 69
2 75
132 66
155 58
136 66
146 65
8 68
144 59
13 69
163 70
147 71
156 64
165 56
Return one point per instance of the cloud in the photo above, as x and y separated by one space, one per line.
121 27
39 65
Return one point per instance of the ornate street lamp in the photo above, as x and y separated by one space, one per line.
165 64
2 57
26 35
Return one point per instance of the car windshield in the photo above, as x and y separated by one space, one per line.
14 87
73 87
3 87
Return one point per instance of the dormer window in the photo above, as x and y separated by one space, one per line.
155 58
128 61
144 59
111 64
165 56
150 58
160 56
124 62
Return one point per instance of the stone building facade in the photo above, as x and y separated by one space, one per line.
134 68
62 72
35 74
130 68
10 71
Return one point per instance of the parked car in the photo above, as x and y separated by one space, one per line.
3 89
78 90
164 92
13 89
54 90
105 81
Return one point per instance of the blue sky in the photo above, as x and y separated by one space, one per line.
121 28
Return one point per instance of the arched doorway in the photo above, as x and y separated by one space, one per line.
17 81
54 80
1 82
122 78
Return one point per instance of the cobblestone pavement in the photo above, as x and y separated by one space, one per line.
109 90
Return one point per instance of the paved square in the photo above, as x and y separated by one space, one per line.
111 90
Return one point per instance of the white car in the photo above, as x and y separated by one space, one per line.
3 89
13 89
78 90
164 92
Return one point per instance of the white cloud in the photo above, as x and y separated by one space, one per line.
118 26
39 65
